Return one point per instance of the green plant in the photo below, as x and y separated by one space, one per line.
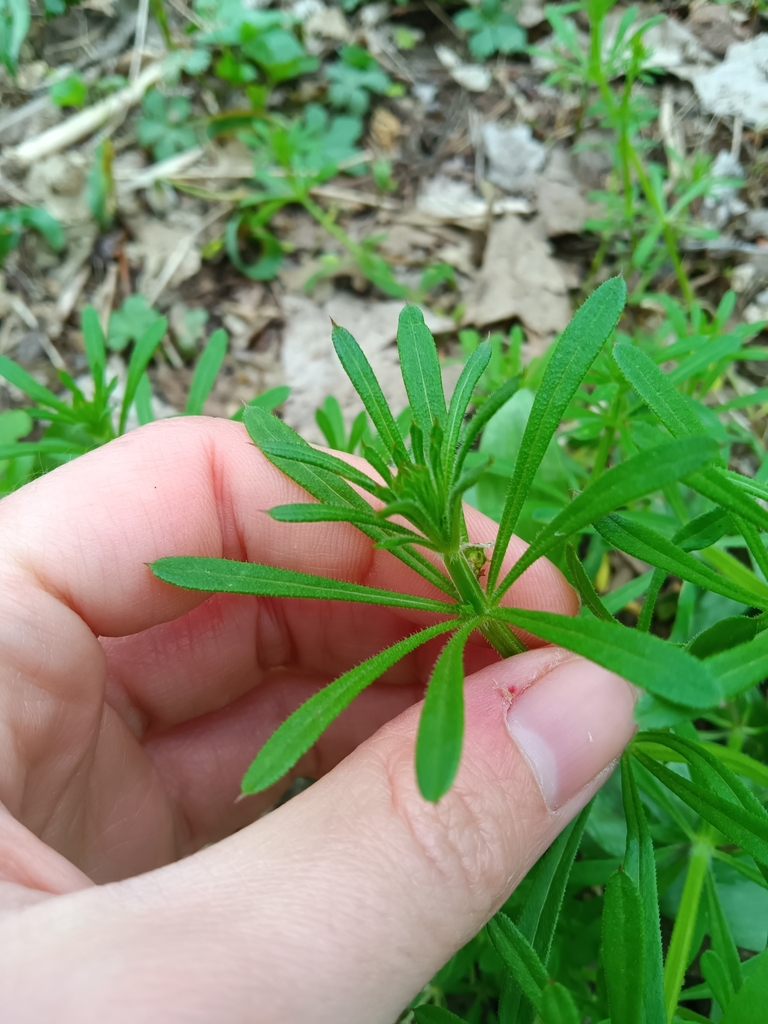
353 78
91 416
100 190
291 158
677 826
128 323
641 206
69 92
14 25
491 28
15 221
163 126
504 362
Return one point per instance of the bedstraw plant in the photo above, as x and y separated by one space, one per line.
690 801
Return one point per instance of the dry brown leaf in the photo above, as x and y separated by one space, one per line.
519 279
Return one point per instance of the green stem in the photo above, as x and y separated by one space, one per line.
680 943
666 231
498 634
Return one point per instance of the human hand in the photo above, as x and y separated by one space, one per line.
129 711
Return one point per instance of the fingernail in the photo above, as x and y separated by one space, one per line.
571 725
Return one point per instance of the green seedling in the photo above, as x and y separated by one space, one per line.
70 92
89 416
164 125
424 483
492 29
353 78
14 25
292 158
15 221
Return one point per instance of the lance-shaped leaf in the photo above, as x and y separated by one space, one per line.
299 732
681 420
420 368
306 513
657 391
441 726
732 631
45 446
624 949
640 866
206 372
364 381
139 361
722 941
701 532
572 357
332 490
222 575
651 546
95 349
740 826
518 956
741 667
715 485
584 585
462 396
435 1015
309 456
540 913
27 383
716 976
642 658
642 474
477 423
748 1005
557 1005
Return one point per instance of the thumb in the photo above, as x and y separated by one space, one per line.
340 905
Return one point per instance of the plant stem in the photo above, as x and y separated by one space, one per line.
679 950
666 230
498 634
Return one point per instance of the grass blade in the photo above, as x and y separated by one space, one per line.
206 372
364 381
642 474
299 732
223 576
441 726
642 658
650 546
140 357
420 368
27 383
573 355
95 349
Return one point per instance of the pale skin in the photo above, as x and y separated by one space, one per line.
133 887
